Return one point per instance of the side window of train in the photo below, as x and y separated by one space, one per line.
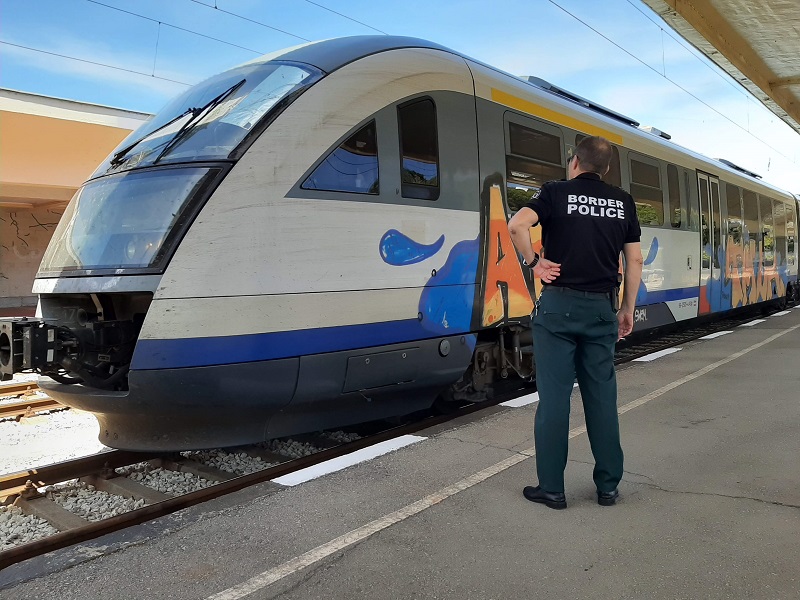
767 230
614 175
647 191
791 224
678 202
533 156
750 208
734 206
351 167
419 149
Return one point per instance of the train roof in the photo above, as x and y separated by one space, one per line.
330 55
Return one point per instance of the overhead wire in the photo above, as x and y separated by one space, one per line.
238 16
91 62
346 17
608 39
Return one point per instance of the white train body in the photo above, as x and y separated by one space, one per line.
346 257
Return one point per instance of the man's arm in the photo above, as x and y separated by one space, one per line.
519 227
633 277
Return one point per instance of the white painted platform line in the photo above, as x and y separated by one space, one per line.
711 336
522 400
525 400
348 460
292 566
658 354
780 314
751 323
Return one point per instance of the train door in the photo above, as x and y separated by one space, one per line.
711 244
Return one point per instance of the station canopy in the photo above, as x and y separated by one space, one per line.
757 42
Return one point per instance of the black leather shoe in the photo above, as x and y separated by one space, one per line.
607 498
551 499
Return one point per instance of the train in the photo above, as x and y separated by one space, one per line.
318 238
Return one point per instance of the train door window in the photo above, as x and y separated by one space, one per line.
677 201
779 219
750 212
716 222
534 157
647 193
767 231
419 149
694 212
614 175
791 219
705 222
733 203
351 167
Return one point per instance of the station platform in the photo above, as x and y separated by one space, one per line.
709 508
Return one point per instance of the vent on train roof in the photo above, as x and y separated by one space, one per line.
547 86
738 168
654 131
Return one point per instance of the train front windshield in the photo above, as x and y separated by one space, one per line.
128 217
209 121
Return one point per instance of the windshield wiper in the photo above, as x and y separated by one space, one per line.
198 114
117 158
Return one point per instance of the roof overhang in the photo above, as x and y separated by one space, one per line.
757 42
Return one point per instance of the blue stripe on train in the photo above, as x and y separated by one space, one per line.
202 352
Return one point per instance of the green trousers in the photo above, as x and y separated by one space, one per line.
574 334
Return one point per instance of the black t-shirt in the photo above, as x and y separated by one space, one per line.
585 223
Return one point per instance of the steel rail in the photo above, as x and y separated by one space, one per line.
26 408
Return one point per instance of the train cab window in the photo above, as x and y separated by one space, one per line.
535 157
750 207
419 149
647 193
767 231
734 206
677 202
352 167
614 175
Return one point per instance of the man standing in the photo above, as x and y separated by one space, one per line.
586 223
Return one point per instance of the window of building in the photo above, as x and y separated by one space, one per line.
419 149
677 202
352 167
734 205
534 159
647 193
750 208
614 175
767 231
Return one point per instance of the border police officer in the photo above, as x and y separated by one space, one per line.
586 223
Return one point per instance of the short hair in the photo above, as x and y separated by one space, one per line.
594 154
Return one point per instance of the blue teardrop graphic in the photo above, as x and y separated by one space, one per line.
398 249
651 255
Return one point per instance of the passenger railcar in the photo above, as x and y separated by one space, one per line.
319 237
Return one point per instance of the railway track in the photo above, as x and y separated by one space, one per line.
28 406
100 470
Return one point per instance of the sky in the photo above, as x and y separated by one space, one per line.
618 53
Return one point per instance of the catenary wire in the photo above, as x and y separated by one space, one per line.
127 12
91 62
346 17
557 5
238 16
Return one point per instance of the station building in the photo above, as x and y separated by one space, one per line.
48 148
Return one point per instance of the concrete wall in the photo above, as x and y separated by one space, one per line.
24 235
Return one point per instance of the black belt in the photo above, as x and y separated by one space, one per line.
570 292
